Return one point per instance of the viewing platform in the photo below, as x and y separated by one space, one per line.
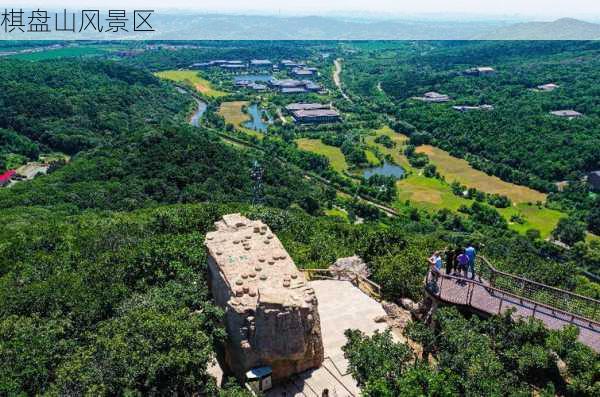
496 292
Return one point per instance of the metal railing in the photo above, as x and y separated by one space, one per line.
364 284
511 290
557 298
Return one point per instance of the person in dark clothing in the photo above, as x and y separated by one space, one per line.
457 268
450 260
463 262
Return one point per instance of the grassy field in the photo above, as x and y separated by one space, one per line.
372 158
433 194
337 212
540 218
192 79
334 154
397 151
233 114
453 168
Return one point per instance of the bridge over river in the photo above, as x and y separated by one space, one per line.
495 291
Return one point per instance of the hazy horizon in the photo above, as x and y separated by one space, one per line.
438 9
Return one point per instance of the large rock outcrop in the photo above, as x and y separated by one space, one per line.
271 314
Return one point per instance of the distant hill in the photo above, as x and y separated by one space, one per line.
561 29
263 27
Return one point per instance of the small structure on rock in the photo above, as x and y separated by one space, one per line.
271 314
349 268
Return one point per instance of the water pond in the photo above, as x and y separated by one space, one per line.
386 169
257 123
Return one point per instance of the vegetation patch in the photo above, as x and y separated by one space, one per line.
192 79
233 113
334 154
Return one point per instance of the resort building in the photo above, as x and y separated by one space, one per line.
294 86
465 108
304 72
570 114
289 64
433 97
594 180
6 177
547 87
316 116
260 64
480 71
292 107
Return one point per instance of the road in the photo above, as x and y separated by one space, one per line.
336 78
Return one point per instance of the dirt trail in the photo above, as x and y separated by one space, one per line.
336 78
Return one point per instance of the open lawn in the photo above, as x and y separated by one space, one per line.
397 151
453 168
334 154
540 218
372 158
233 113
433 194
193 79
337 212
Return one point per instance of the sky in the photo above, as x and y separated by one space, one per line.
536 9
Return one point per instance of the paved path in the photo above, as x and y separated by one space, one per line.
341 306
337 78
476 295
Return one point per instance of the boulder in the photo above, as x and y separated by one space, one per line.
347 268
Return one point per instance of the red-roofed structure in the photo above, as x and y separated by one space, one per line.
6 177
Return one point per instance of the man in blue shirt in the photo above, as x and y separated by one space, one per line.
471 254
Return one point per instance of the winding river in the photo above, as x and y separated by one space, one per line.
197 115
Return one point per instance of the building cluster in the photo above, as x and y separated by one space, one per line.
297 69
271 313
313 113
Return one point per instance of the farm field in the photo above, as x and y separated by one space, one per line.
191 78
334 154
453 168
233 113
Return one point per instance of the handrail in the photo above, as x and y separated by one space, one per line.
354 280
563 291
501 294
567 301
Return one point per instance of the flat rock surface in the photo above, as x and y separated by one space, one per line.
341 306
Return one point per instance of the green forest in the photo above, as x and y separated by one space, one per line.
102 265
